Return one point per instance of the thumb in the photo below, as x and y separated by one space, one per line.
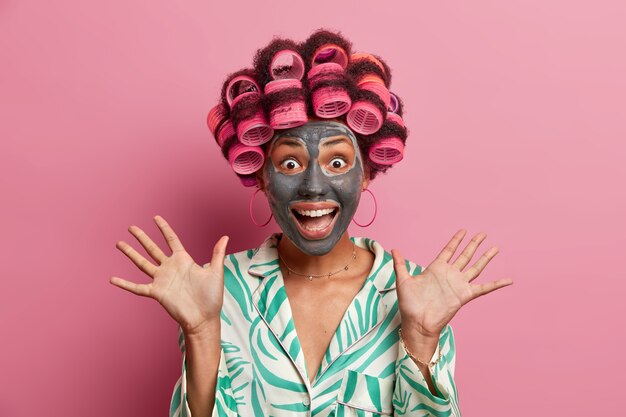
219 252
399 264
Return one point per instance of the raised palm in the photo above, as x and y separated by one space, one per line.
428 301
191 294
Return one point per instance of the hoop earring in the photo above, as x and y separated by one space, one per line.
252 215
375 210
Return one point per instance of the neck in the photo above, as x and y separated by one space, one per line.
303 263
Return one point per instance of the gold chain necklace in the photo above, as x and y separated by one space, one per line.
311 276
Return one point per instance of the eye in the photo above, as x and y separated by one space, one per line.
290 164
337 163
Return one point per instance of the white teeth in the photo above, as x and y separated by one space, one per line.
315 213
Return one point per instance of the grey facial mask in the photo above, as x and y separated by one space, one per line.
315 184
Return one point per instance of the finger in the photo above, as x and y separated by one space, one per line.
472 273
219 252
466 256
141 262
168 233
486 288
149 245
137 289
447 252
399 265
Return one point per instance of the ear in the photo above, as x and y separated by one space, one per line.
366 178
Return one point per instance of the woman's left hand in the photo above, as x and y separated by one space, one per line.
428 301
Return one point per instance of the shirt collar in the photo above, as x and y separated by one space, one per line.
264 261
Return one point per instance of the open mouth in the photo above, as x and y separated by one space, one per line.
314 222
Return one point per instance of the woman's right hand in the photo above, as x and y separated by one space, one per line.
193 295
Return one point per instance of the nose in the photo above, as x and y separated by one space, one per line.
314 181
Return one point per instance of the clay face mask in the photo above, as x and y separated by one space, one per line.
313 178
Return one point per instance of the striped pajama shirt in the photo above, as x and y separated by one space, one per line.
365 372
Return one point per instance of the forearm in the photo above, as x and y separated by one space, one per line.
202 363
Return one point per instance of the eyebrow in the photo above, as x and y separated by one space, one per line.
291 142
335 141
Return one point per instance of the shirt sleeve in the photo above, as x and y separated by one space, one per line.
411 393
225 404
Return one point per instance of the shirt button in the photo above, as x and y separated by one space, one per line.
306 402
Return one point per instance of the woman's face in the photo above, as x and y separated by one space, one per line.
313 177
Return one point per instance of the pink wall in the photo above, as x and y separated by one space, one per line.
517 115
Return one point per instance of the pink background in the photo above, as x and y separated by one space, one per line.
517 117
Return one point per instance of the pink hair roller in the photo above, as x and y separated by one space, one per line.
279 85
241 86
327 71
245 159
364 118
286 116
225 131
392 117
328 102
387 151
287 64
330 53
215 117
379 89
254 130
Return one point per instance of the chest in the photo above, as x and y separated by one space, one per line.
317 309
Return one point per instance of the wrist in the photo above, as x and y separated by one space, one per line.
207 330
419 346
419 332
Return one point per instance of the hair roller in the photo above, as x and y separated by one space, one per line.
287 64
364 118
286 103
217 115
394 118
328 93
387 151
364 65
325 46
249 119
330 53
367 114
386 147
358 56
279 59
377 86
240 86
245 159
395 104
225 131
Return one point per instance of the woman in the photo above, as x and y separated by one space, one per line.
313 322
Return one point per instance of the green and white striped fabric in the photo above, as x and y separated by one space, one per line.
365 372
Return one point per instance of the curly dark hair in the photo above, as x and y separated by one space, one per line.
357 71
